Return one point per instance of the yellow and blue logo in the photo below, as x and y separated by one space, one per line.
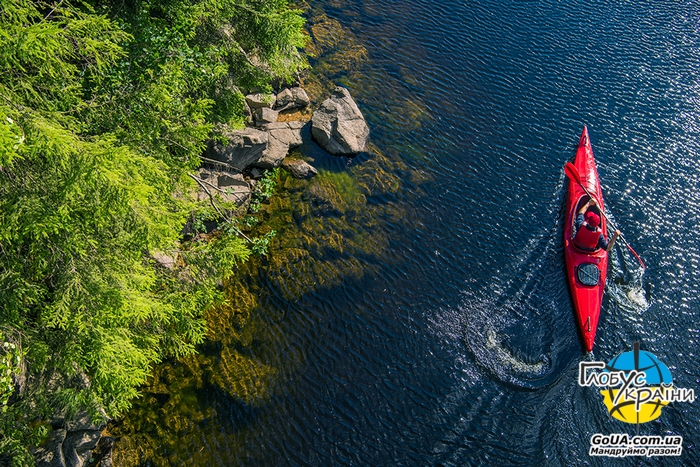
635 385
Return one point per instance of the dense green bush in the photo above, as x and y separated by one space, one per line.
104 110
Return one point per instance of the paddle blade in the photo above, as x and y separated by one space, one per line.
572 172
644 266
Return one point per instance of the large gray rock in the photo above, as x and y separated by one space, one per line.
338 125
103 452
288 133
50 453
299 168
233 187
71 444
281 137
260 100
164 260
265 115
243 148
78 445
230 187
247 113
291 98
82 422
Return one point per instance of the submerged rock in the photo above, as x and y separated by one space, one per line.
298 168
338 125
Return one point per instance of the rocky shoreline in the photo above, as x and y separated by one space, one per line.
71 444
232 162
234 159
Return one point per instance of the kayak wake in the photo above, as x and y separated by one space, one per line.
490 344
628 289
511 335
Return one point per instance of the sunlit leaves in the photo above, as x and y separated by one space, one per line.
105 108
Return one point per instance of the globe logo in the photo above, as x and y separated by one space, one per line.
638 403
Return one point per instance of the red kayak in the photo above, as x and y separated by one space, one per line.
585 270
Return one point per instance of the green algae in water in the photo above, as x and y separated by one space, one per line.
333 234
337 191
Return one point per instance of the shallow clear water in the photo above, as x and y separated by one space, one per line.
427 320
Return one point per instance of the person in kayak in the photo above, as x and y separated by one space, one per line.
589 236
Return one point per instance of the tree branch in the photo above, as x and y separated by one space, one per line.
51 12
213 203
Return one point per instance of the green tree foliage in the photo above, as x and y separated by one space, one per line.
104 110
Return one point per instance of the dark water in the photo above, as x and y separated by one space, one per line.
457 344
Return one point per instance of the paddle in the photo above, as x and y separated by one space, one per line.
573 174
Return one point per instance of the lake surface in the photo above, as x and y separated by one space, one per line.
441 331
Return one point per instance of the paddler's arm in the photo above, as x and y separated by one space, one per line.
585 206
579 215
611 244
